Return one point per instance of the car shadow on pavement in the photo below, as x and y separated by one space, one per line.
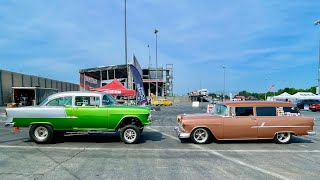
107 138
150 136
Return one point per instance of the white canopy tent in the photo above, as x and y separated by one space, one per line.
282 96
304 95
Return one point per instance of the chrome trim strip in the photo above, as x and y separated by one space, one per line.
279 126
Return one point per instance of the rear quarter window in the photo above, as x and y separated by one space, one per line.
288 111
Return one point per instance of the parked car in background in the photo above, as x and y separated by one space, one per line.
306 102
245 120
88 112
162 102
314 107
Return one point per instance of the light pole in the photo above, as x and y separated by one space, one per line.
265 94
149 57
156 32
224 82
125 41
318 90
149 90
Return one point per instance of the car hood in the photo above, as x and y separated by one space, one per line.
199 116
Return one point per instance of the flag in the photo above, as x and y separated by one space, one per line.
137 65
271 87
141 97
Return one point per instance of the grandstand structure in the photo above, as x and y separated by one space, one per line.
102 75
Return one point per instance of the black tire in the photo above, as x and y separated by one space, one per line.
283 138
200 136
130 134
41 134
141 130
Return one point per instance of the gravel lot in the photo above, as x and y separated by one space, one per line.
159 155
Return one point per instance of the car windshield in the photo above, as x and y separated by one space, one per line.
108 100
220 109
44 102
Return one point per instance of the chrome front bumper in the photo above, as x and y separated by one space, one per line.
312 133
180 134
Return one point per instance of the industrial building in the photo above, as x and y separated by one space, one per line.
8 80
99 76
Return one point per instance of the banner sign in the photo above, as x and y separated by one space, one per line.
88 82
141 97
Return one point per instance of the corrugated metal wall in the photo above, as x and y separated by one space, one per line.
11 79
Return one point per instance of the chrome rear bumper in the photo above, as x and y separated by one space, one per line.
180 134
9 124
312 133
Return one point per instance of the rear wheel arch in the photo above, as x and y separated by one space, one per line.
41 123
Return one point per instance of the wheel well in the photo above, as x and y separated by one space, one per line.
292 133
37 124
130 120
210 132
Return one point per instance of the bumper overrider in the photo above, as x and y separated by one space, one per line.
180 133
311 133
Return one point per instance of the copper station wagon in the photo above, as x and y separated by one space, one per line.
245 121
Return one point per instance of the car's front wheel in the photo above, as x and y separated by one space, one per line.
283 137
200 136
130 134
41 134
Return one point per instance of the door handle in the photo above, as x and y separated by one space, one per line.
253 118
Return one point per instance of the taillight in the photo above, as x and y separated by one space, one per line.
16 129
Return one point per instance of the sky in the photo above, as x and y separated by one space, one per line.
261 43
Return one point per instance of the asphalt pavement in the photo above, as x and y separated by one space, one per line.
159 155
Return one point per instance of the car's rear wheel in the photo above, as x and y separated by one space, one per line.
200 136
41 134
283 137
130 134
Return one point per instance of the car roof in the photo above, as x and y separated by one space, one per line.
257 103
77 93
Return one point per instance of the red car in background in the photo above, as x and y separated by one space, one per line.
314 107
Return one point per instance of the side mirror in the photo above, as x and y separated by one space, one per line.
233 115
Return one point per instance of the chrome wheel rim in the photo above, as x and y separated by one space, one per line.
130 135
200 135
41 133
283 137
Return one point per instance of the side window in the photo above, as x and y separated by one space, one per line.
87 101
266 111
244 111
61 101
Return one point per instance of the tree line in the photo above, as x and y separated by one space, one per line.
269 93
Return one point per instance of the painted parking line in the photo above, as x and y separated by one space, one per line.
155 149
216 153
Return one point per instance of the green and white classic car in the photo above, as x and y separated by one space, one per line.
91 112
